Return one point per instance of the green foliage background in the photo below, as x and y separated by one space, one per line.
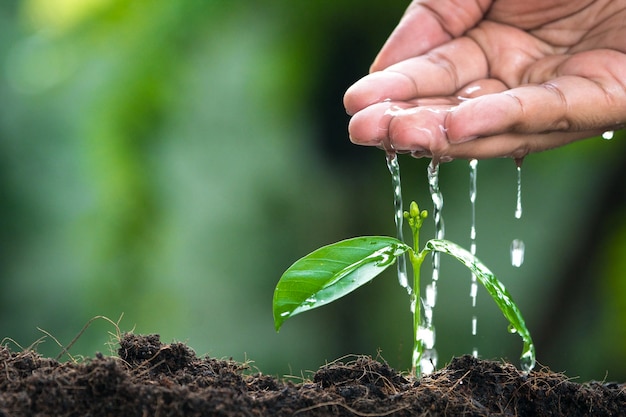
169 160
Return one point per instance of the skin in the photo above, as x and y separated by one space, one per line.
501 78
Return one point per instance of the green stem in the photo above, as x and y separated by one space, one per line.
415 219
418 343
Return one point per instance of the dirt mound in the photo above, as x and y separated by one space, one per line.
154 379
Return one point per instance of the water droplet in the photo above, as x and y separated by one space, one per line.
608 135
474 325
517 252
413 303
473 290
435 276
527 360
431 295
428 315
511 329
394 168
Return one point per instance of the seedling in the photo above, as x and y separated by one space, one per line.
333 271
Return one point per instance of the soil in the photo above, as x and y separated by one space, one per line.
150 378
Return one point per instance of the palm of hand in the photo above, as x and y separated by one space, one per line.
511 84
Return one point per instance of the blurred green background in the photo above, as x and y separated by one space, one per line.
168 160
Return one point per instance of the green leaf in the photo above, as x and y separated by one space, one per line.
497 291
331 272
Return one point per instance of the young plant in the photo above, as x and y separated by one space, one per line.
333 271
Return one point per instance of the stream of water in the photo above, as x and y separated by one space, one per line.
473 165
517 246
428 361
394 169
426 330
437 198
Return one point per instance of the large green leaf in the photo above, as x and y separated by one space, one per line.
497 291
331 272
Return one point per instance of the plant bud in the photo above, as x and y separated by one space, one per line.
414 210
424 214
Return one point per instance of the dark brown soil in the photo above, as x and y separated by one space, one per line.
154 379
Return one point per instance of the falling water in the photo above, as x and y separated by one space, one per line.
473 165
437 197
517 246
517 252
429 357
394 169
518 206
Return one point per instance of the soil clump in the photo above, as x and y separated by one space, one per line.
150 378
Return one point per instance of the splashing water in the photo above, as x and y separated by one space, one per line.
517 246
473 165
394 169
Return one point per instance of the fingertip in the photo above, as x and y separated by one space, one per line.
363 93
378 87
362 129
349 100
351 131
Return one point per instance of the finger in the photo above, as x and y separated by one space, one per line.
402 127
426 25
441 72
513 145
371 126
564 104
480 88
421 131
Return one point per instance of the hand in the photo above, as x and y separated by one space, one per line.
482 79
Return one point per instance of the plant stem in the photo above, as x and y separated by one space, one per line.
415 219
